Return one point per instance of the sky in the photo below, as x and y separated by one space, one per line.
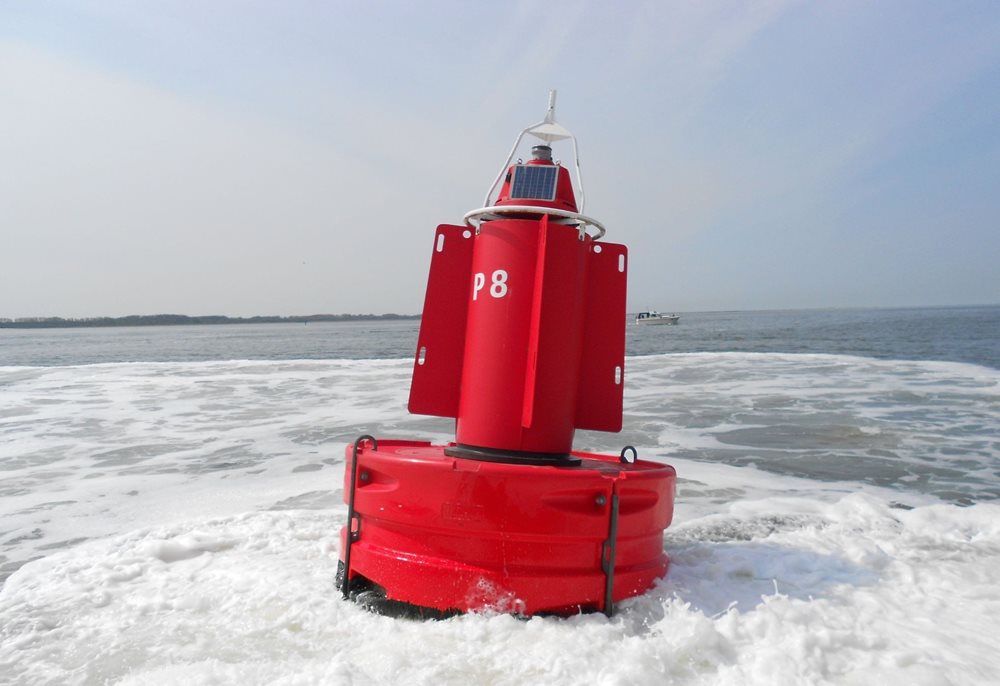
255 158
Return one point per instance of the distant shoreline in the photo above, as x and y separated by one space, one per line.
184 320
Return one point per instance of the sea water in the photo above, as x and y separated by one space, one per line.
170 499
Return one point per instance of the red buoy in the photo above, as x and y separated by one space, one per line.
522 341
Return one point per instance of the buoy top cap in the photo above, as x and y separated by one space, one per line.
541 152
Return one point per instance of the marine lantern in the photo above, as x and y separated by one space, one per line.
522 342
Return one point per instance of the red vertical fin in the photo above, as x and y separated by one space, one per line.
531 371
437 368
602 367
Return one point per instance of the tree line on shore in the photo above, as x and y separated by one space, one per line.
182 319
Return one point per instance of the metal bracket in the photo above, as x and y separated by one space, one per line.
353 535
608 556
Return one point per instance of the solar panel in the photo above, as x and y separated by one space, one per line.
534 181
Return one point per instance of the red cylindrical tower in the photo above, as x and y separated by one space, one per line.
524 335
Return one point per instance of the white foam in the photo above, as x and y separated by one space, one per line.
842 592
165 504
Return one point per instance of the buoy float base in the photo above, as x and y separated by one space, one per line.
434 535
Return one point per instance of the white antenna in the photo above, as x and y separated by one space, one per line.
547 130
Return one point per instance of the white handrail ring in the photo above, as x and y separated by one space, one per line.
583 220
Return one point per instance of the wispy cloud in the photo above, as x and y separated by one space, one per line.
270 156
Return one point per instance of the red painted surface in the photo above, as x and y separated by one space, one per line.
450 533
437 368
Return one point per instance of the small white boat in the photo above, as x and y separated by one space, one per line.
654 317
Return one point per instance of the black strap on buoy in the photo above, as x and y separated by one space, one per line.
351 536
608 556
610 545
